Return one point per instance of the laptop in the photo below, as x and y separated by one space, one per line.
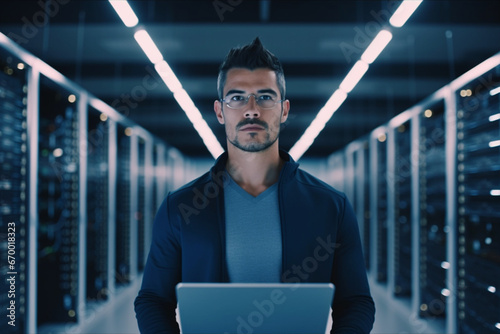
254 308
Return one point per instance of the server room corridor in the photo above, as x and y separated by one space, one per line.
391 108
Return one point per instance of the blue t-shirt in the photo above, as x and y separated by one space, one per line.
253 235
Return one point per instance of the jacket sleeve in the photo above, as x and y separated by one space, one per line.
156 302
353 307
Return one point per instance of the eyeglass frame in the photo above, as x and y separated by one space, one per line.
256 102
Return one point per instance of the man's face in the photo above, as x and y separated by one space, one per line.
251 128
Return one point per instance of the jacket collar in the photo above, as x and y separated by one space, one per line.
288 169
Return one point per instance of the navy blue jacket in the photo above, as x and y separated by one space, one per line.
320 240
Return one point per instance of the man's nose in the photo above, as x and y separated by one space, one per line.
252 109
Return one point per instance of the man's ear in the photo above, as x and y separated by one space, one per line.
286 109
218 111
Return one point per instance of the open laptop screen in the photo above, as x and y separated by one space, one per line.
254 308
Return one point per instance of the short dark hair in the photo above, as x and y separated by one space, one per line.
251 56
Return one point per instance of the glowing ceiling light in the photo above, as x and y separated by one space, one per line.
355 74
168 76
125 12
318 124
494 143
494 91
495 192
493 118
148 46
376 46
58 152
403 13
446 292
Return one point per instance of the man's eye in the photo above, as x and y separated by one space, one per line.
237 98
265 97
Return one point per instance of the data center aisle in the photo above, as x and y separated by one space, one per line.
392 316
117 317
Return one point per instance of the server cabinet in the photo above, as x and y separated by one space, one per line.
13 194
432 245
336 173
378 203
400 178
58 205
97 244
478 205
141 204
123 205
357 189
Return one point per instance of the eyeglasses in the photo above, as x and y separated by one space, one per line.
264 101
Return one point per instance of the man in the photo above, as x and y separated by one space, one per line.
255 216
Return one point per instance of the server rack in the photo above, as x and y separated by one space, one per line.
364 157
58 205
432 244
123 205
141 205
378 203
14 183
478 203
335 176
399 208
452 195
67 148
357 189
97 206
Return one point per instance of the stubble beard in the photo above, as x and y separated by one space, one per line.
254 146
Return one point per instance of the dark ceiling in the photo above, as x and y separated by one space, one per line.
317 41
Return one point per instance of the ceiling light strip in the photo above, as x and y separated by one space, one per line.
169 78
125 12
494 91
148 46
403 13
378 44
355 74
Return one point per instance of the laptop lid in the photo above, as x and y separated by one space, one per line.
254 308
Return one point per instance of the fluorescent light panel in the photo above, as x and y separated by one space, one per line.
318 124
495 192
125 12
494 143
355 74
494 117
376 46
403 13
494 91
148 46
168 76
